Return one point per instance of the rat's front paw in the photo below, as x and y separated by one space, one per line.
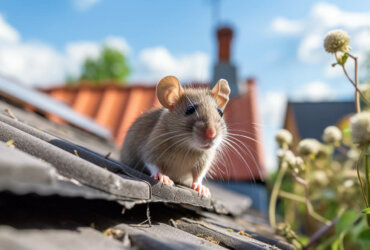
163 178
203 190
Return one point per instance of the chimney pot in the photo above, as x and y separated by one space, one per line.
251 81
224 36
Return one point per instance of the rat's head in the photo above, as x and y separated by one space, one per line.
194 116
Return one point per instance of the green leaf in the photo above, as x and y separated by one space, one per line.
111 65
346 220
342 59
366 210
364 235
303 239
335 245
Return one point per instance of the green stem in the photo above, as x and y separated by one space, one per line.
358 93
310 210
291 196
367 176
274 194
367 182
359 178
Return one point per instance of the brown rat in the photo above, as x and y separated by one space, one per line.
178 143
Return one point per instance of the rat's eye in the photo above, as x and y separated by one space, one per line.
220 112
190 109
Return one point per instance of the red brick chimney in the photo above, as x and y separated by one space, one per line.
224 36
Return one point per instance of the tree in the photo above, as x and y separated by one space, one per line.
110 65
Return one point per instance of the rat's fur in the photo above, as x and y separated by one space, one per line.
172 141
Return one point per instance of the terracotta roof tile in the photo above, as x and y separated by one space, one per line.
86 101
110 106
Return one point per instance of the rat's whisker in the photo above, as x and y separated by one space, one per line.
250 154
247 137
242 131
170 146
241 157
224 149
168 139
161 135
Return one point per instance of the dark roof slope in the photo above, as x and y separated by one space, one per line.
323 113
61 189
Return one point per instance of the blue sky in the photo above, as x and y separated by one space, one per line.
278 42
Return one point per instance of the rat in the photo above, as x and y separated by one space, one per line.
178 143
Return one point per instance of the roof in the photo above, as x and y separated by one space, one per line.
62 188
116 108
44 103
323 113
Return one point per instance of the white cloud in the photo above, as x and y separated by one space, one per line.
362 40
310 49
118 43
322 18
76 53
314 91
83 5
154 63
40 65
330 16
284 26
273 106
7 32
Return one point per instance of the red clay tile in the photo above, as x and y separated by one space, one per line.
86 101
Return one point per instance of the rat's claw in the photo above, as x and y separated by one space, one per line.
203 190
163 178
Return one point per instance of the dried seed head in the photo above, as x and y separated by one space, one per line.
289 158
337 41
360 128
308 147
332 135
283 136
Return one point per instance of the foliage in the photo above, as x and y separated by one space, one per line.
324 190
110 65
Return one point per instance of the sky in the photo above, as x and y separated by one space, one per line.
280 43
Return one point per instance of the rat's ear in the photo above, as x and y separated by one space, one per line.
169 92
221 92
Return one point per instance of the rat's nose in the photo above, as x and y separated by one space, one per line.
210 133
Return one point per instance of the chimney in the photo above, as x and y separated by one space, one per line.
224 36
224 68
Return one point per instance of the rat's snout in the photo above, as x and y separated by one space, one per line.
205 134
210 133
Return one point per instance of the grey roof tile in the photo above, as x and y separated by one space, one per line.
82 190
229 239
72 166
61 131
163 236
227 201
18 166
257 228
163 192
56 239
